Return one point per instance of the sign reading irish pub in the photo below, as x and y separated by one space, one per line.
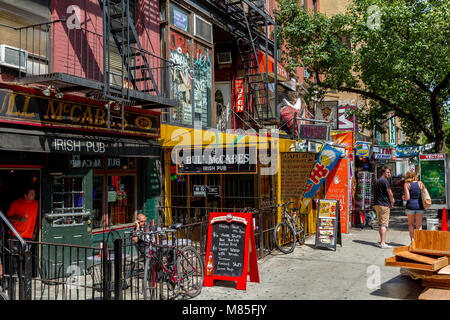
28 109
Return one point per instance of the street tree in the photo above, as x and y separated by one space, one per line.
394 53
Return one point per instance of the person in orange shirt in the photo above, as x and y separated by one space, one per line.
23 214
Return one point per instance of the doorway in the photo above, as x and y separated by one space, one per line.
12 184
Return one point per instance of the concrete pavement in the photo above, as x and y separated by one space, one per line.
350 272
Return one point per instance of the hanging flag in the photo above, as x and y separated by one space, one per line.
325 162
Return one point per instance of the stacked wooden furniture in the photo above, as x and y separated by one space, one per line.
427 259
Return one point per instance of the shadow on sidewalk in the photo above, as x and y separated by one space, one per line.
400 287
375 244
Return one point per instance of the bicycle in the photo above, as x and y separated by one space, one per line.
289 230
181 269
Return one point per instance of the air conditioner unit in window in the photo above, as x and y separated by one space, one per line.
224 58
13 57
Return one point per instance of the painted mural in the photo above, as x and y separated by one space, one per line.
202 82
181 78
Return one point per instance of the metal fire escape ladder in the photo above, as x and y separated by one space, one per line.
248 45
118 23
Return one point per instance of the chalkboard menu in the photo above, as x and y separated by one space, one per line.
231 249
328 231
228 245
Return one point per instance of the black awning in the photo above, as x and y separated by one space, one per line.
52 142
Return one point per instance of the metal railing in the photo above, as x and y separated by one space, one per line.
53 47
196 227
51 271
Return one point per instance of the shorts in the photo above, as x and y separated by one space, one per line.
413 211
383 215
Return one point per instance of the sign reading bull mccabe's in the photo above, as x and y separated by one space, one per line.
35 110
214 160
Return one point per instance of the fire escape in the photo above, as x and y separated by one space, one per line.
251 24
139 78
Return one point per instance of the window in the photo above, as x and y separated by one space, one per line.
120 197
314 3
68 197
202 29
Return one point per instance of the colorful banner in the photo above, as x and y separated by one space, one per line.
327 159
337 188
363 149
410 151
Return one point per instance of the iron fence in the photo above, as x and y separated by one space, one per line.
196 227
51 271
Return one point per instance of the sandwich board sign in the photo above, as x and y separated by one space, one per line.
231 249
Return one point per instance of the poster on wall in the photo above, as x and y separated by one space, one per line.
181 82
327 111
295 170
337 187
432 174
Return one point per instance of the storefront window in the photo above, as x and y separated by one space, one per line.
120 198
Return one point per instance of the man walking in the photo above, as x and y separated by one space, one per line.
383 202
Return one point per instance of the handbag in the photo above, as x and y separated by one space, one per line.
426 199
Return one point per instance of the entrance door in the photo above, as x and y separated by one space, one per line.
223 104
66 218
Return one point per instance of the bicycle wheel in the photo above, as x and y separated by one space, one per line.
301 231
284 238
149 285
190 271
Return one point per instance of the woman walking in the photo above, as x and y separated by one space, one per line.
414 207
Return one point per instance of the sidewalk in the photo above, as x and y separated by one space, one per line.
318 274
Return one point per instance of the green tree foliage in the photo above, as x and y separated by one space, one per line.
395 53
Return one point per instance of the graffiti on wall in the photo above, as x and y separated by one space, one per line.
202 82
191 82
181 81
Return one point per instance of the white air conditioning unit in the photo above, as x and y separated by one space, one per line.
224 58
13 57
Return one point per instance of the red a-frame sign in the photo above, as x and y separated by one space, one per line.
231 249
